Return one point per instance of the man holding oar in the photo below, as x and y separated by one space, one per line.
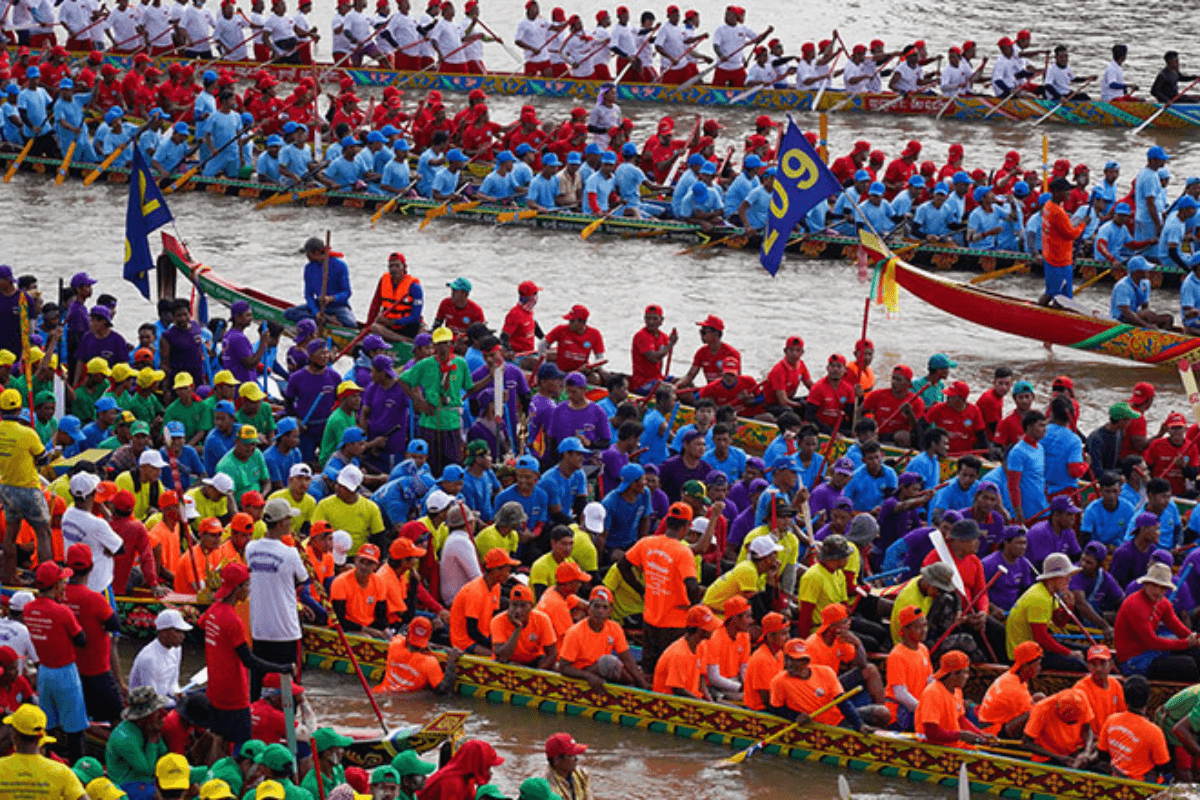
326 287
729 41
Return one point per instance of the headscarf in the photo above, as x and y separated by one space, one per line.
470 768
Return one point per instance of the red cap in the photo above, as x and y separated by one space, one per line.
861 146
731 366
232 576
272 681
672 10
1024 35
7 656
124 501
402 548
48 574
242 523
836 358
906 371
711 126
79 556
764 121
913 147
578 312
968 44
958 389
794 341
563 744
712 321
808 47
1142 392
601 15
528 288
140 58
167 500
558 15
877 44
252 499
1098 652
877 156
1063 382
1175 419
1004 42
859 50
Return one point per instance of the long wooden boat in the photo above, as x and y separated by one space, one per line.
735 727
814 246
1093 334
974 108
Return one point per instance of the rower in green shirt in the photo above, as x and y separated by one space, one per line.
345 415
143 401
246 464
121 434
188 409
278 765
136 744
256 412
94 385
234 769
44 421
330 746
412 771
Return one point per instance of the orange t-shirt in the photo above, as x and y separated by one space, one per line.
938 705
762 669
27 536
679 667
554 606
582 647
666 564
322 567
228 554
1135 743
1047 730
395 589
166 538
360 600
908 668
1104 702
728 654
830 655
409 670
186 580
475 601
808 695
533 640
1058 235
1006 699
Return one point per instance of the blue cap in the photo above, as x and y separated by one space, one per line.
549 372
70 425
1187 201
592 149
290 127
529 462
247 118
503 157
1138 263
12 88
1022 387
696 160
876 189
551 160
66 83
523 148
1043 198
574 158
751 161
390 130
629 149
155 113
174 429
961 177
376 136
699 190
1164 173
114 114
981 192
209 76
941 188
349 141
181 128
353 435
274 140
456 155
609 157
400 145
418 446
708 168
1191 181
772 171
1157 152
1122 208
862 175
33 72
1098 194
784 462
1112 165
629 473
224 407
452 472
106 403
571 444
917 181
1020 189
286 426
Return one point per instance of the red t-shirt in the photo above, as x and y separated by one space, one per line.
724 395
710 362
51 627
961 425
971 570
92 611
882 406
991 406
223 634
830 400
267 722
14 696
176 734
1160 458
786 378
645 370
1010 430
459 319
575 349
1137 427
520 327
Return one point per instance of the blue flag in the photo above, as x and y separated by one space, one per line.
147 212
801 182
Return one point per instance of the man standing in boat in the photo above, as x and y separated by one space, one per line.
326 288
1058 243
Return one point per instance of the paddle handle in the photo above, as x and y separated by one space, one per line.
289 713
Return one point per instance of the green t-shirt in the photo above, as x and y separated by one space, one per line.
226 769
263 420
335 426
246 474
1182 704
46 430
193 417
18 382
84 406
128 758
331 781
444 391
144 407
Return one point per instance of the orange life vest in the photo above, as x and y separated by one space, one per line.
396 301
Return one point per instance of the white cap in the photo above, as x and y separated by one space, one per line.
221 482
300 470
19 599
763 546
171 620
342 542
351 477
83 483
701 524
594 515
152 458
189 507
438 501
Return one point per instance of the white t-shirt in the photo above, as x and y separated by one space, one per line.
908 79
197 24
473 51
729 44
1005 70
231 33
74 14
448 40
533 33
1112 74
1060 78
459 565
156 21
358 26
81 527
15 635
670 41
124 26
622 39
157 666
278 28
404 31
956 80
863 70
275 571
601 42
340 43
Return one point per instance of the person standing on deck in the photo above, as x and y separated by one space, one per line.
330 276
1058 243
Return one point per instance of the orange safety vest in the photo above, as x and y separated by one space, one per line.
395 301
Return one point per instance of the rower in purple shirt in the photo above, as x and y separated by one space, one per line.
549 389
100 341
76 319
901 512
239 356
1020 574
384 414
983 511
579 417
740 492
1056 534
743 523
372 345
516 388
823 497
689 465
1132 559
310 395
1099 588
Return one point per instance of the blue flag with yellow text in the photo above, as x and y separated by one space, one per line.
147 212
801 181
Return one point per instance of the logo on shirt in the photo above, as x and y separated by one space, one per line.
820 692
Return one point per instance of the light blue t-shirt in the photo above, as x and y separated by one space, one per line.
865 491
1062 447
1030 461
1107 527
1125 293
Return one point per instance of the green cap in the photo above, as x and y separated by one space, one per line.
87 769
1120 411
251 749
325 738
537 789
490 790
198 775
43 397
384 775
460 284
276 757
941 361
696 489
409 763
476 447
139 427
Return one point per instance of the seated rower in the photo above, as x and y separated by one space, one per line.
833 644
941 717
1103 692
1189 299
804 687
1136 745
476 602
727 653
359 596
523 635
447 181
1130 299
1006 705
766 663
680 670
1169 250
343 172
1141 649
824 583
397 175
410 665
1113 236
555 602
498 187
1032 613
1058 730
747 578
934 581
544 192
595 650
908 668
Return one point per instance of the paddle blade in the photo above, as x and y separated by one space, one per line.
433 214
64 166
383 209
964 784
507 216
591 228
457 207
182 180
105 164
844 787
12 168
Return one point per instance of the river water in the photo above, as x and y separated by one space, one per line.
55 231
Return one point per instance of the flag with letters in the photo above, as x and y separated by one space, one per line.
801 182
147 212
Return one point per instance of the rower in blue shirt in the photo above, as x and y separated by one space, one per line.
756 205
683 186
112 134
1189 301
68 121
171 150
33 103
591 162
876 210
956 203
203 107
430 161
522 172
295 155
397 177
1169 251
986 220
1108 185
10 116
151 136
629 181
1093 212
446 180
544 188
268 163
817 218
600 185
746 181
905 203
1148 211
498 187
846 210
1012 237
1130 300
221 136
932 220
343 172
1033 227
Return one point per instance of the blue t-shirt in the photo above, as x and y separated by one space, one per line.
981 221
1115 237
497 186
739 190
543 191
1104 526
623 519
1125 293
759 205
1030 461
561 490
216 445
733 466
1189 297
536 506
952 497
1170 525
932 220
280 464
479 491
867 491
655 443
1062 447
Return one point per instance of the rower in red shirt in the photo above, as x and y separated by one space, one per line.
660 152
56 634
458 311
649 351
844 168
963 543
735 390
266 714
709 358
784 379
895 177
1009 172
101 692
475 98
1010 429
960 419
134 79
519 325
991 401
1141 649
1136 437
578 343
896 409
954 163
831 399
1174 457
14 688
1079 194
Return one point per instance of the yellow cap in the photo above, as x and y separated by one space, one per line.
103 789
269 790
173 772
251 392
348 386
28 720
224 378
183 379
36 354
10 400
98 366
127 418
248 433
147 376
54 361
443 334
7 358
216 789
122 372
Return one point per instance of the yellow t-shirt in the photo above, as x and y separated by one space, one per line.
791 546
141 504
208 508
742 579
584 552
1035 606
306 504
543 571
822 588
61 486
626 601
19 445
490 538
910 595
31 777
360 519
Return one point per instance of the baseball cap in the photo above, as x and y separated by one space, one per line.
171 620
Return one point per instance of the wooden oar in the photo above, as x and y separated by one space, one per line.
290 197
704 246
1000 273
1062 102
1092 280
387 207
843 788
739 757
115 154
513 216
12 168
65 165
444 208
592 227
997 106
636 55
1156 114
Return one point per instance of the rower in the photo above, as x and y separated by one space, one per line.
595 650
1149 215
908 77
1035 609
845 167
1141 649
803 687
680 670
1059 730
1006 705
833 644
1103 692
728 42
940 716
1130 301
474 605
1166 84
1113 86
523 635
1112 237
1136 745
1169 251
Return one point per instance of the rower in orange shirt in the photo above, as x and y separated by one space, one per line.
766 663
941 717
410 665
319 550
241 529
833 645
1136 745
164 536
1006 705
476 602
803 687
556 600
27 537
195 564
1058 730
396 574
727 653
1103 692
359 597
522 634
680 669
595 650
908 667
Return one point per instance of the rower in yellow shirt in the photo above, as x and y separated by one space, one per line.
27 773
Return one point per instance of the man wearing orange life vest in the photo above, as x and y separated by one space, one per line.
398 302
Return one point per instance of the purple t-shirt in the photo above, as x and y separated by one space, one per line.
1128 563
187 351
10 330
589 422
893 524
303 389
673 474
540 409
515 388
1102 592
1043 541
990 531
389 414
112 348
821 500
1007 588
613 460
919 546
77 319
237 348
